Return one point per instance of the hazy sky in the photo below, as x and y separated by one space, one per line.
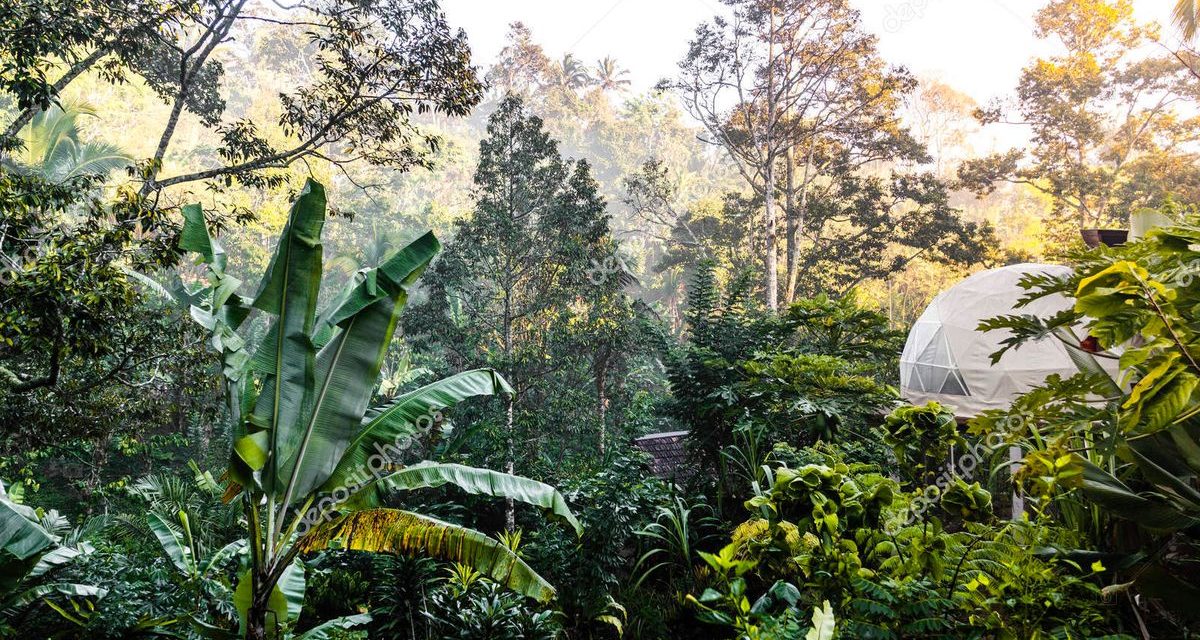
978 46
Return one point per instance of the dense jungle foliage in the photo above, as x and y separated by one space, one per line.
316 324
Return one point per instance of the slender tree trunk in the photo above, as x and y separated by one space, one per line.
771 259
601 371
789 290
191 64
510 512
256 623
798 219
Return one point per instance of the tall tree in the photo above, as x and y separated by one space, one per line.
774 82
610 76
521 66
570 73
372 65
943 118
518 261
1112 128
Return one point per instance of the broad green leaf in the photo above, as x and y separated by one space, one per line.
388 431
172 544
22 542
214 562
71 590
283 604
1104 489
195 238
20 534
289 292
287 599
411 534
484 482
348 366
56 558
1145 219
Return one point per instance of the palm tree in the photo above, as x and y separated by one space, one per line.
53 150
1187 17
310 461
570 73
610 76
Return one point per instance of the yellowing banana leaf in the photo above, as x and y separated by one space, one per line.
411 534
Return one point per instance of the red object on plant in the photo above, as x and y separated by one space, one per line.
1090 344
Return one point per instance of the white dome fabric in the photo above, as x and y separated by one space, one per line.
948 360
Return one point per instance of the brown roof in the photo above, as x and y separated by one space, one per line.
667 451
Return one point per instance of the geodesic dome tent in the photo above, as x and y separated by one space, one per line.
947 359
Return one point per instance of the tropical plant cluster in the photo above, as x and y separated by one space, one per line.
315 326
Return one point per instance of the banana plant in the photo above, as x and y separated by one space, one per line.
311 460
28 551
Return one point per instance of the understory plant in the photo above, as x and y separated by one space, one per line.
31 552
1118 456
311 459
841 532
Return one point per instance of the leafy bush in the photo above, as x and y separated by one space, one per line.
843 532
591 572
1116 461
470 607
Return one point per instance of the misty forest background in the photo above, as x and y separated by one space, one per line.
737 253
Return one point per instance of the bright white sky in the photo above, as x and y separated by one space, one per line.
977 46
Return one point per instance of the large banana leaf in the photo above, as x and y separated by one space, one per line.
484 482
387 430
33 594
348 366
57 558
218 559
286 356
172 544
22 542
407 533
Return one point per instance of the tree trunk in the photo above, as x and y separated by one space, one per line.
256 623
797 218
789 195
770 256
601 371
510 512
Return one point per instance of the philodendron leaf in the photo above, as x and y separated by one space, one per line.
823 623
